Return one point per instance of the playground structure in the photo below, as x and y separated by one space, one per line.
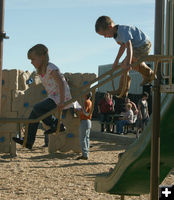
141 170
20 92
56 139
141 150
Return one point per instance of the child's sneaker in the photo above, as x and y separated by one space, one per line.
21 141
18 140
82 158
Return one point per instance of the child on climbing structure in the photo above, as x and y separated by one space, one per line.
85 126
136 44
57 89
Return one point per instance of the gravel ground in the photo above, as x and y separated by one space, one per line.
38 175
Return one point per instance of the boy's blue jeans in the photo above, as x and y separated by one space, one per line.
85 126
40 109
120 124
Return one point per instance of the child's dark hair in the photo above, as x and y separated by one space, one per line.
145 94
89 95
103 23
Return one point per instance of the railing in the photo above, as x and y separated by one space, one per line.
87 88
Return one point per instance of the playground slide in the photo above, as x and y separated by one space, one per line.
131 175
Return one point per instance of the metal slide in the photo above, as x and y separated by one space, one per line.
131 175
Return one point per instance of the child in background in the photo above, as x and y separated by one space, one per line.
134 108
57 89
143 114
136 44
126 119
105 108
85 126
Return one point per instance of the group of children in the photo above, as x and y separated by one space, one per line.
134 114
131 39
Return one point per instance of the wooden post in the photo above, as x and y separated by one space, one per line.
122 197
155 140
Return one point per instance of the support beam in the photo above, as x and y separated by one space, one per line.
1 44
122 197
155 140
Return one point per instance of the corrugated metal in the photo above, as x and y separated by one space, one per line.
136 79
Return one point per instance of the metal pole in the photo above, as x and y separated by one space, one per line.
171 43
1 44
155 140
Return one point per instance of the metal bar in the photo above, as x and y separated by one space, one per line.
171 43
26 120
155 140
167 38
1 44
162 27
163 40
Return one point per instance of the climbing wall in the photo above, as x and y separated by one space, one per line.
10 84
78 80
69 139
20 92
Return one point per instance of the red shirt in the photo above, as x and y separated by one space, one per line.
106 106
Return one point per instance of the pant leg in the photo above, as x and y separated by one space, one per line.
144 122
102 119
122 84
120 125
146 72
108 119
85 126
38 110
46 139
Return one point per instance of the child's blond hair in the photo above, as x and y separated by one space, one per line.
103 23
40 50
129 105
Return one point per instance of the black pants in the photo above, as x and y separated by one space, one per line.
40 109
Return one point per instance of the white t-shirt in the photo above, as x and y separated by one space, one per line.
52 87
129 115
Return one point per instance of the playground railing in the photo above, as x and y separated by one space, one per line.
106 77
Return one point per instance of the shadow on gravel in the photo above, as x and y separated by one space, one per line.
110 142
53 156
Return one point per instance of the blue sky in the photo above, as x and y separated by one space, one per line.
66 27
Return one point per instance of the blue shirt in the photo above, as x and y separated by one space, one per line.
126 33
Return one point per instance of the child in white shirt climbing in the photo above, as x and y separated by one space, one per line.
57 89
